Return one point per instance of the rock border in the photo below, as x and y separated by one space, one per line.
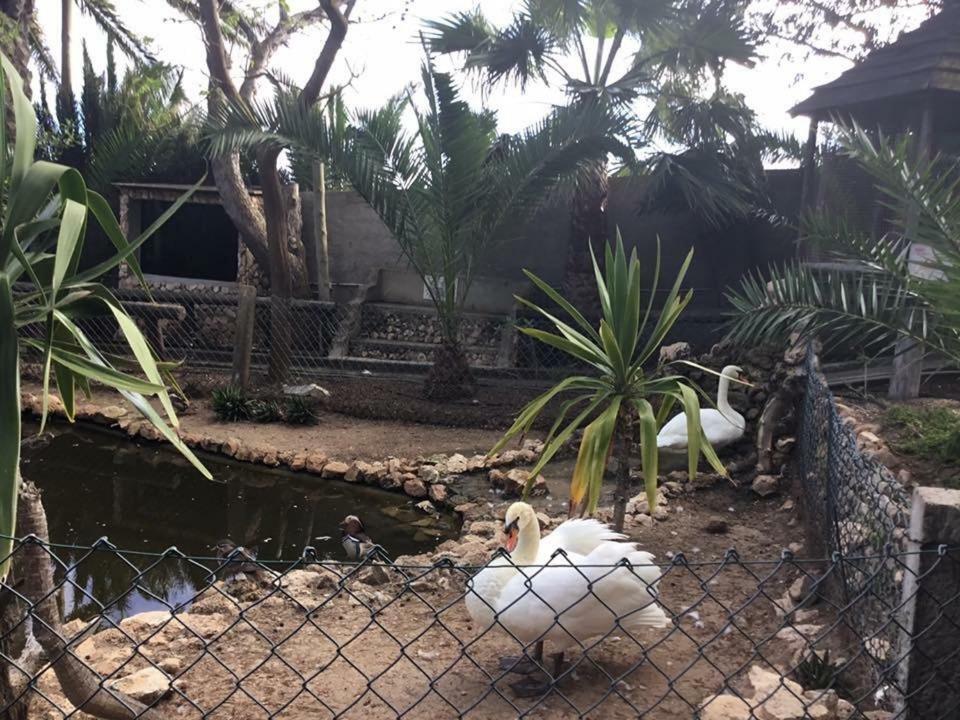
423 478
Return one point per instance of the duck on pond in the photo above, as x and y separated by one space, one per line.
235 559
356 543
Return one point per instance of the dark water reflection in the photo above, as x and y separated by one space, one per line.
145 498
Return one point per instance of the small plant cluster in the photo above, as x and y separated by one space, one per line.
932 432
232 404
817 672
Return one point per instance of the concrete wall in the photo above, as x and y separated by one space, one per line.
360 245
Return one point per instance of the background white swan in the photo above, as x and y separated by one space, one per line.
722 425
564 600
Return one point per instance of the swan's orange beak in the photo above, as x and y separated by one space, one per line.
511 535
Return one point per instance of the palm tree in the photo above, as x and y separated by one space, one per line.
871 298
44 298
137 127
660 49
614 400
451 192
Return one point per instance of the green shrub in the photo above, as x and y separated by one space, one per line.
230 404
299 410
816 672
931 432
264 411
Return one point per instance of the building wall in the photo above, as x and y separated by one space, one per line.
359 244
360 247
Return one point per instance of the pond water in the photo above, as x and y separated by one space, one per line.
146 498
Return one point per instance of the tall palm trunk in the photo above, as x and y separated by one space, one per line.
588 226
82 686
11 685
16 16
450 376
65 97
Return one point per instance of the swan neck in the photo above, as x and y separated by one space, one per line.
722 403
528 545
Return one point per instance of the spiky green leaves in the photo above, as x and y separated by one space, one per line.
619 396
48 208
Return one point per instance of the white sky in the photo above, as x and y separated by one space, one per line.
385 55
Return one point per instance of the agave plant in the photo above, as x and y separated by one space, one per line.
880 292
618 398
44 296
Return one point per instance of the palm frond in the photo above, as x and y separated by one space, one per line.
105 14
865 307
516 53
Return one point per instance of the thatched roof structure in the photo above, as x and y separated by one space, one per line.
883 88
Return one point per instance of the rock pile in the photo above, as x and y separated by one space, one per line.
775 697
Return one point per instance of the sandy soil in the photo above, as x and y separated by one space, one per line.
385 650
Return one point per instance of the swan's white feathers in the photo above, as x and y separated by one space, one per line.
578 536
581 587
719 428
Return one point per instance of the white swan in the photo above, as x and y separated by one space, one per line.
564 599
722 425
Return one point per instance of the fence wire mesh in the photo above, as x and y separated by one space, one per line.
232 637
855 507
201 327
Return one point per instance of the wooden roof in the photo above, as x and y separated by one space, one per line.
924 60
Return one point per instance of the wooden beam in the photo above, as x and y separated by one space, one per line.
320 231
808 172
243 342
908 355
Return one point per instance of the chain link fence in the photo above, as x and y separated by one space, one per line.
224 334
209 328
231 637
854 507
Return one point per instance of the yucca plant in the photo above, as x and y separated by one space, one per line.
44 296
617 400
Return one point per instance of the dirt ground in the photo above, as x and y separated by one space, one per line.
399 397
342 437
362 651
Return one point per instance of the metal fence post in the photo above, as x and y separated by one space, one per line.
243 343
930 621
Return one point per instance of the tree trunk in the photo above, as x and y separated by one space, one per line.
254 225
14 31
14 706
80 684
588 227
281 281
450 376
14 37
623 439
65 96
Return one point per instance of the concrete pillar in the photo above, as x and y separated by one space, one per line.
929 670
